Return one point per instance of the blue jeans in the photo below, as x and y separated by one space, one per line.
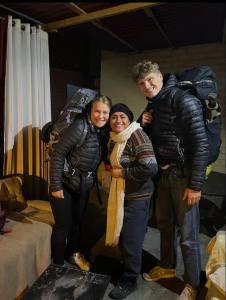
135 220
173 216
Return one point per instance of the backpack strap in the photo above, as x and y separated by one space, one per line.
84 134
178 93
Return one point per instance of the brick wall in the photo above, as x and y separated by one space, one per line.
117 83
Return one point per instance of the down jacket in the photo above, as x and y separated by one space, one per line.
178 131
86 157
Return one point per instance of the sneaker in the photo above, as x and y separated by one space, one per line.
188 293
123 289
158 273
79 260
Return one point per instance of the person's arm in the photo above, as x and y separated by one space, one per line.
191 196
144 161
194 129
58 194
146 116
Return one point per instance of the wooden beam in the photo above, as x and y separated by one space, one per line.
149 13
100 14
98 24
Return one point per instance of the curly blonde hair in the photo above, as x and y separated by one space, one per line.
143 68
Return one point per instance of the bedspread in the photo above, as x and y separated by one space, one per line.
24 255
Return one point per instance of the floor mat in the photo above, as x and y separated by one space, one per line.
65 282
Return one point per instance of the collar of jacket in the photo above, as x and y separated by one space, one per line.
92 127
169 82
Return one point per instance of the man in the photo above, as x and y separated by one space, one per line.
176 127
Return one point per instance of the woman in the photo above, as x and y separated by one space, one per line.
133 165
71 177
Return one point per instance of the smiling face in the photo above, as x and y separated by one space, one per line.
151 84
99 114
119 122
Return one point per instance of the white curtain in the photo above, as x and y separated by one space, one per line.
27 98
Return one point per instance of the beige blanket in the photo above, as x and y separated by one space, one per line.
24 254
216 265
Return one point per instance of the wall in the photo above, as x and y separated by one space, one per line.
116 81
59 79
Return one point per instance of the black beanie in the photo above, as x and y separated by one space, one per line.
121 107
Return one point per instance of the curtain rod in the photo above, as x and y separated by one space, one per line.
22 26
21 14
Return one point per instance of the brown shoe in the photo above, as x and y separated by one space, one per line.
80 261
188 293
158 273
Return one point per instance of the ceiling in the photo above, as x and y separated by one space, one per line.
123 26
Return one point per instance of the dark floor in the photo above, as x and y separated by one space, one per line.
107 261
163 289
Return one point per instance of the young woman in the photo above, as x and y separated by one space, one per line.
72 170
133 165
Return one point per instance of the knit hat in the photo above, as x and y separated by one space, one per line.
121 107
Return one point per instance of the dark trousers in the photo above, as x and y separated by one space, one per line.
135 220
66 231
174 216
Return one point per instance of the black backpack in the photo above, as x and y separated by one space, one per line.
202 83
52 131
76 105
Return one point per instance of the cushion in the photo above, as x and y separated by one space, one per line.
14 185
38 215
40 204
12 201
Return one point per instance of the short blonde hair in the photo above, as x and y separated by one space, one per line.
99 98
143 68
104 99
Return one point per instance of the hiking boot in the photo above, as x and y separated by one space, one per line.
123 289
188 293
158 273
79 260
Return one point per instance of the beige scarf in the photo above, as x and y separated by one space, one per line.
115 210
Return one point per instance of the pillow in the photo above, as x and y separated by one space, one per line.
40 204
38 215
14 185
11 195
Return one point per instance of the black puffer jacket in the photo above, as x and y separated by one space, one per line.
87 157
182 117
